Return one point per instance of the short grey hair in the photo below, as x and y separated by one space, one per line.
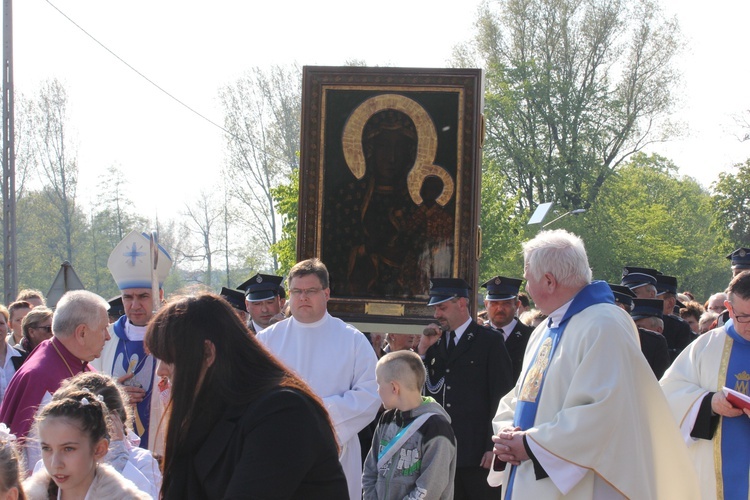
707 318
76 308
559 253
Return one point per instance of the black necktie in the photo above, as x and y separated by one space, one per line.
451 341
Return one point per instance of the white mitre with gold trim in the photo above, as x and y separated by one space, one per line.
130 262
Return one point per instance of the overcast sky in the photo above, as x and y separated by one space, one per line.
192 49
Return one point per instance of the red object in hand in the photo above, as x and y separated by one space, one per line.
737 399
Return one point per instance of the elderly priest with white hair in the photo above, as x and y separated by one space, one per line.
587 418
79 330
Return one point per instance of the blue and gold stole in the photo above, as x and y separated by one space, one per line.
597 292
732 440
131 357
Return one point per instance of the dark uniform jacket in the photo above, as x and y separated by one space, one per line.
655 350
678 334
469 383
516 346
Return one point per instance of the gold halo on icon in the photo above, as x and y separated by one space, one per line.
423 167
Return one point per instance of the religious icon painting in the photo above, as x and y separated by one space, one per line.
389 185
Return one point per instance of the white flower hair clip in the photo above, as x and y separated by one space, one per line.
5 433
85 402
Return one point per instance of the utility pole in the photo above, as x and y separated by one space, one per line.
10 273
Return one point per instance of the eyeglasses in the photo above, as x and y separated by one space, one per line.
47 329
307 292
740 318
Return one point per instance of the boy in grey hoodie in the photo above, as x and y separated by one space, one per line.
413 454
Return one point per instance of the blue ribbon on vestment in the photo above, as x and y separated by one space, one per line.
597 292
735 432
129 348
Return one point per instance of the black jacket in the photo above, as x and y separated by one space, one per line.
678 334
655 350
279 446
475 376
516 345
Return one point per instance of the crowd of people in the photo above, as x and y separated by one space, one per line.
621 390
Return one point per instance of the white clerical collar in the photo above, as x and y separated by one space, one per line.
314 324
461 329
133 332
556 317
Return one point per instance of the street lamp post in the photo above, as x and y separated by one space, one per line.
572 212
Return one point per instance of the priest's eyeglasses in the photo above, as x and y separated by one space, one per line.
307 292
740 318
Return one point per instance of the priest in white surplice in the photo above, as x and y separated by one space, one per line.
334 358
717 433
586 418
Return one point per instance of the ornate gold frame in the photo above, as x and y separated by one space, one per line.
337 103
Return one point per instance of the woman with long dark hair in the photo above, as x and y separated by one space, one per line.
238 424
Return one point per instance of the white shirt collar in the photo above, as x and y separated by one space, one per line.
556 316
461 329
507 328
133 332
314 324
10 352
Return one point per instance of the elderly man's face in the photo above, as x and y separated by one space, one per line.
96 334
716 304
541 291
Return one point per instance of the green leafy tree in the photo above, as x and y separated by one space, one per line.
286 197
731 203
647 215
502 229
572 89
42 242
